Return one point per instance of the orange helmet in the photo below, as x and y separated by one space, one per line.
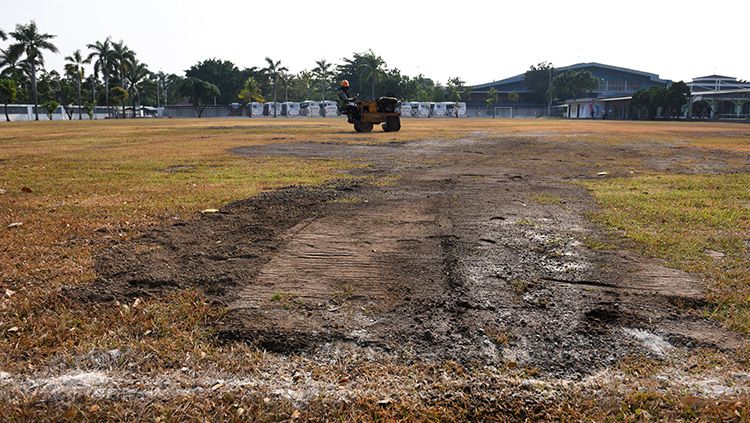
345 83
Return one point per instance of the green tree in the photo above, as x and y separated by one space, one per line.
251 91
287 79
51 106
370 69
274 71
7 94
572 84
418 88
222 73
323 74
64 91
29 42
90 109
74 69
513 97
3 35
677 95
669 99
104 63
137 73
491 100
456 89
160 78
649 99
199 93
538 79
119 96
124 56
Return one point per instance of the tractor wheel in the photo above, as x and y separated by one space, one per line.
362 127
392 124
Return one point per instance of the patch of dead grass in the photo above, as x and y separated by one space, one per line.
699 223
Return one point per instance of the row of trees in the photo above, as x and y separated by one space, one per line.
669 100
366 71
117 75
109 73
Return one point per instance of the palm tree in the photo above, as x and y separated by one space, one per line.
30 43
274 70
371 69
323 73
159 77
123 56
3 35
170 81
104 63
74 68
137 72
287 79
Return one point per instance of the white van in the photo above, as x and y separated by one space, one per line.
423 109
310 109
461 112
440 109
290 109
406 110
271 109
329 108
254 109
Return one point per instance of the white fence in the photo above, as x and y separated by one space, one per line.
25 112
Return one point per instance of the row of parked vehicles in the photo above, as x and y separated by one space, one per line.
311 109
328 108
422 109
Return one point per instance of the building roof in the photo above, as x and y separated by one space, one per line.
519 78
715 77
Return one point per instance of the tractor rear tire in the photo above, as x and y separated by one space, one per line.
392 124
362 127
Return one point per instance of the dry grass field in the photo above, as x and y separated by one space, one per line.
676 192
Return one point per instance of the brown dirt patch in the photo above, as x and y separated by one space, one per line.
455 261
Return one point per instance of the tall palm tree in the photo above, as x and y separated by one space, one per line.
137 72
371 69
274 70
123 57
323 73
74 68
30 43
104 60
287 78
159 77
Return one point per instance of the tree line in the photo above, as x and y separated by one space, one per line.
109 73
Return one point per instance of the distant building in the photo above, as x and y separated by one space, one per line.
719 97
616 85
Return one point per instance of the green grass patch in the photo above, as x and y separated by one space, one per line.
549 199
698 223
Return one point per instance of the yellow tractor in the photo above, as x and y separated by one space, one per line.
385 110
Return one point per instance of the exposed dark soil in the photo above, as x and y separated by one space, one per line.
473 252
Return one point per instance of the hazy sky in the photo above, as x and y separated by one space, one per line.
479 41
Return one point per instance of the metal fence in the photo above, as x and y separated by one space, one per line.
508 112
191 112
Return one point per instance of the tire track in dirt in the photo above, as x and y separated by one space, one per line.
455 261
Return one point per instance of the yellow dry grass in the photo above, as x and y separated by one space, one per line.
121 176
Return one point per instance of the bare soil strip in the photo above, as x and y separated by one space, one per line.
476 253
